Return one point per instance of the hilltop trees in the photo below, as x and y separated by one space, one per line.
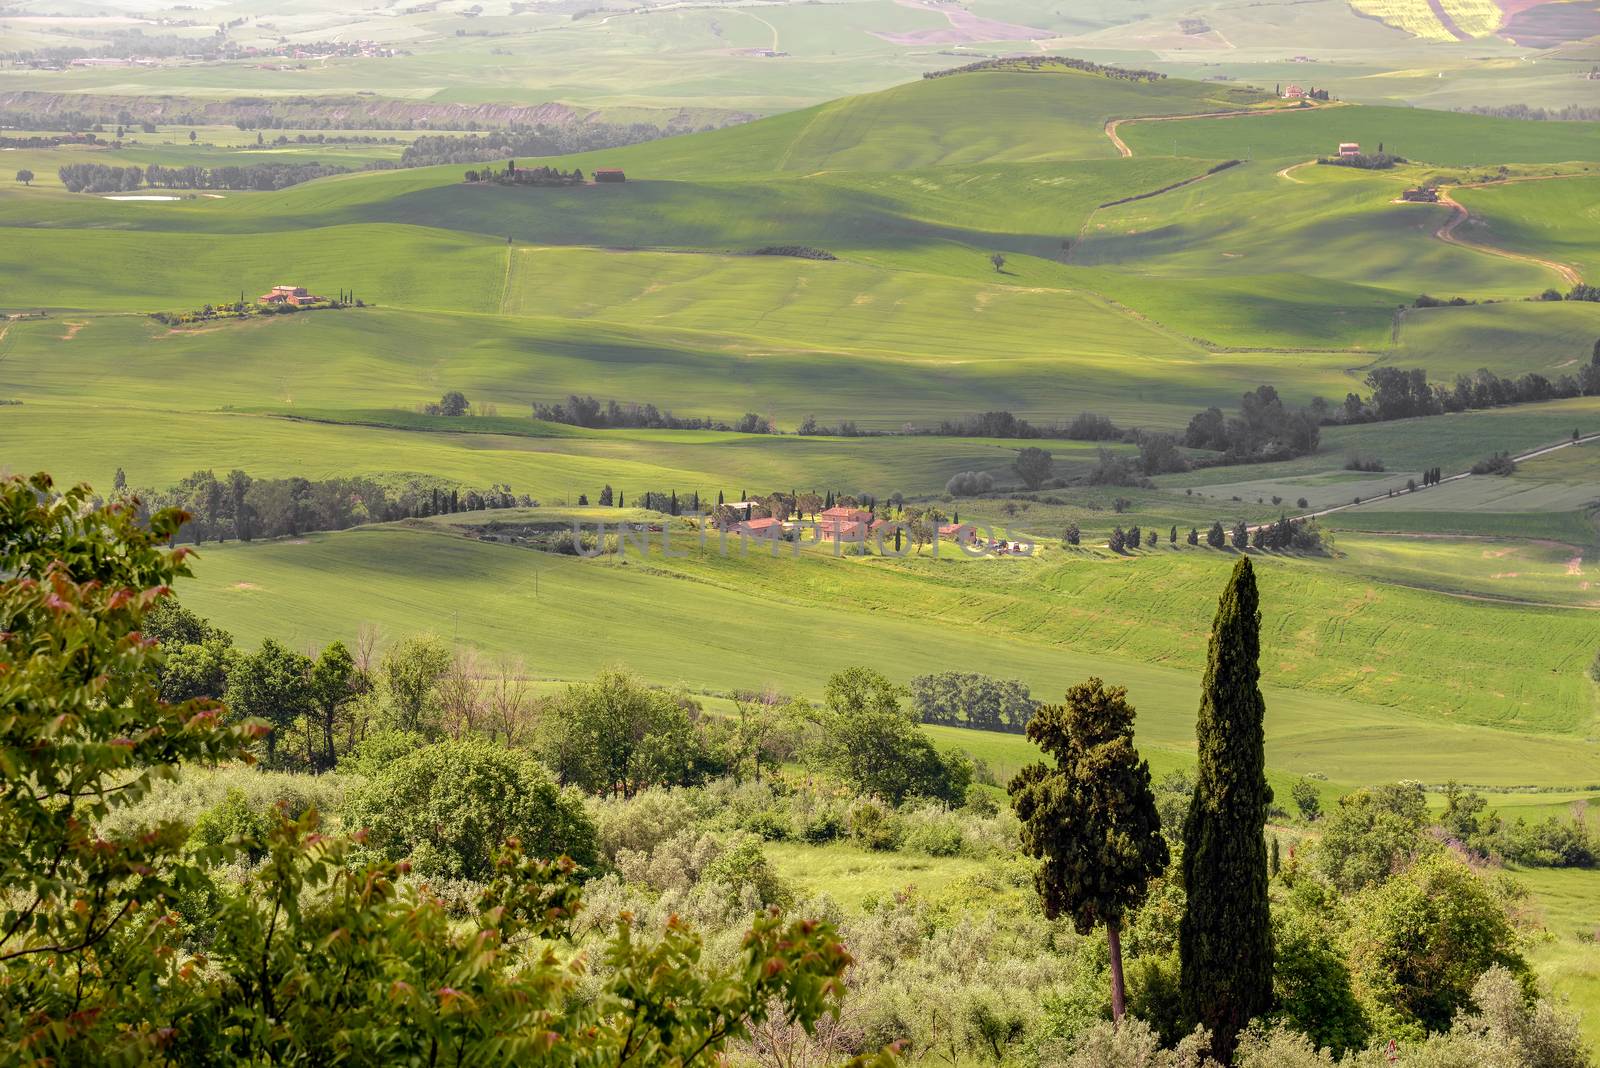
1092 818
1225 940
25 176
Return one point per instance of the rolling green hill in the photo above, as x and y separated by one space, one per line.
1446 138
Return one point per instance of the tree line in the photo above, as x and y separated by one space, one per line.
1045 63
100 178
613 414
430 150
243 507
1405 393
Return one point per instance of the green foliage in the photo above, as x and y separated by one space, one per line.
273 685
1226 938
1307 799
1372 834
408 677
1033 465
1422 940
232 819
615 736
83 734
318 956
870 741
1092 818
1311 981
449 807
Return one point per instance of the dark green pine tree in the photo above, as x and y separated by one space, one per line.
1225 939
1092 818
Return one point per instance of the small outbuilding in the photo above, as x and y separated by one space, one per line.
1349 148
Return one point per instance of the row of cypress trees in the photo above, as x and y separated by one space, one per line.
1092 819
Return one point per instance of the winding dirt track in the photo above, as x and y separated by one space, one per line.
1122 146
1459 214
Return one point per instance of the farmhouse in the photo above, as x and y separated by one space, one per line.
1294 92
1422 194
295 295
844 524
958 532
1349 148
609 174
768 529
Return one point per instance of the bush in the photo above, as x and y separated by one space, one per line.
1500 463
642 822
1423 939
969 484
231 819
932 830
875 825
744 870
451 806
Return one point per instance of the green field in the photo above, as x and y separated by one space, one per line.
1145 311
1446 138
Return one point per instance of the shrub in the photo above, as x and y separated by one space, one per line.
231 819
969 484
932 830
875 825
640 823
1500 463
744 870
451 806
1423 939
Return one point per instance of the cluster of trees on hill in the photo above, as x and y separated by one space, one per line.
1404 393
1265 429
411 903
1044 63
1368 161
969 699
587 411
244 507
50 141
1086 426
433 149
511 174
323 139
99 178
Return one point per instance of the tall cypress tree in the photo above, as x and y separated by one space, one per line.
1225 940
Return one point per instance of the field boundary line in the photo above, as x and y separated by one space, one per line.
1532 454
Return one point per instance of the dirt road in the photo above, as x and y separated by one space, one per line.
1459 214
1543 450
1122 146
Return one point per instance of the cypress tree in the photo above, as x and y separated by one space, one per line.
1225 939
